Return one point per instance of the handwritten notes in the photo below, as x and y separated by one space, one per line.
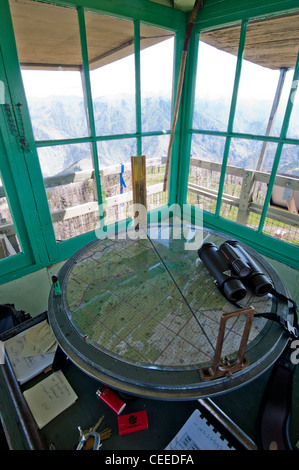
49 398
31 351
38 340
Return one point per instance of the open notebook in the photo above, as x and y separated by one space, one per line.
198 434
49 398
31 351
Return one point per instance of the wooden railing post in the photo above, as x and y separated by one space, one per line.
139 189
244 200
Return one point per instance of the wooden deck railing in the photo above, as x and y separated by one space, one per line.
113 199
244 197
250 188
244 201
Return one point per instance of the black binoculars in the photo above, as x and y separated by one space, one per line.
232 267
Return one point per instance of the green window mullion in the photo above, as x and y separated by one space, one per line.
188 100
174 163
87 91
231 114
237 135
137 85
283 133
26 256
52 143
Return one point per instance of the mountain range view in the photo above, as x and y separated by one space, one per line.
56 118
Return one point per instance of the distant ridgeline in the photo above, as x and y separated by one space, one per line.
57 118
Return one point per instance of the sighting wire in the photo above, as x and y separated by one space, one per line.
178 288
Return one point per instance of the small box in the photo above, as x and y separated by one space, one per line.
112 400
132 422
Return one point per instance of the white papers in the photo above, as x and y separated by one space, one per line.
39 340
31 351
49 398
198 434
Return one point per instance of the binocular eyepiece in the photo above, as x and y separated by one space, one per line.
232 267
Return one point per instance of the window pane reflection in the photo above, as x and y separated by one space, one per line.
215 78
110 44
204 171
155 148
282 219
51 63
116 179
270 52
246 181
156 80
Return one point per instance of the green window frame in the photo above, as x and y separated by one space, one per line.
265 244
23 176
45 249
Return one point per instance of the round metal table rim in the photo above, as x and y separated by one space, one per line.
152 382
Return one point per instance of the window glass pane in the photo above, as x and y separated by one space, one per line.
282 219
110 44
70 188
216 68
155 148
9 243
204 171
156 79
116 179
116 151
278 120
270 49
244 188
49 50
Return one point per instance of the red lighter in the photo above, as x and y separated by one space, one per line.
111 399
132 422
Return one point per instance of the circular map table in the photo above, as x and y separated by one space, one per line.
141 313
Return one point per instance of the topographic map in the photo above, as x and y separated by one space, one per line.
151 302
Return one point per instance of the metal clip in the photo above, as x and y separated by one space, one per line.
84 438
292 330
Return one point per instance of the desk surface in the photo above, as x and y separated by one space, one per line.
239 400
238 408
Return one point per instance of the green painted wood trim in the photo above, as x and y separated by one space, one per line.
238 135
26 257
86 84
231 114
17 268
88 93
188 99
235 135
174 162
137 85
50 143
284 130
